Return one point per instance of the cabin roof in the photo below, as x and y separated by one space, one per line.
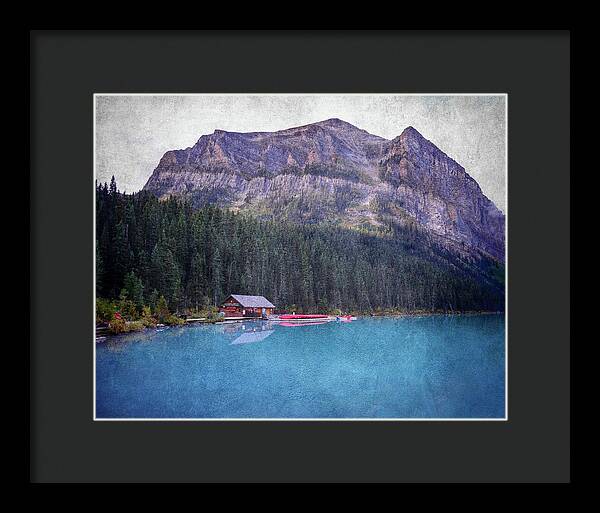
252 301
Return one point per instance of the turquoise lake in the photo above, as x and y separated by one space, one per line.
412 367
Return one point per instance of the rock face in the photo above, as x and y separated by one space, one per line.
334 172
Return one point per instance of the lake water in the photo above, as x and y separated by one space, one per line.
413 367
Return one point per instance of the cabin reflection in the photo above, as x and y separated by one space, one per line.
249 337
245 333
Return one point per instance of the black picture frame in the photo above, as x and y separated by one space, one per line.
68 67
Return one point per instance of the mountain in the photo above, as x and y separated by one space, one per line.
335 173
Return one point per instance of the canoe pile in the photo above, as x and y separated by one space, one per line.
304 319
299 317
313 322
310 319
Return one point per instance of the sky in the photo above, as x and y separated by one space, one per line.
134 131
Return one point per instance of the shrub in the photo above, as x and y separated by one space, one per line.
162 314
172 320
322 306
147 319
128 310
117 326
105 310
207 311
211 313
135 326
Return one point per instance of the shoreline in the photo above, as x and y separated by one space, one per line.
101 336
427 314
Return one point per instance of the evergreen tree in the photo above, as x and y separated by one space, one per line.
120 255
165 273
197 281
135 289
162 310
217 277
113 187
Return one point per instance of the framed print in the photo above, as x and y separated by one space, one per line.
374 265
300 256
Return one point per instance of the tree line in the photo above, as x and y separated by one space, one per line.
195 258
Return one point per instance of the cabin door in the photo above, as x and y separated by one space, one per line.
264 312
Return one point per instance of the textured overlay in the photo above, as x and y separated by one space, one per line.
133 132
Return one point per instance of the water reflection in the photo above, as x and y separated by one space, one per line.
296 324
246 338
118 343
247 332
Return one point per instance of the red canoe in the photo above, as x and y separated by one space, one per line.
306 316
296 324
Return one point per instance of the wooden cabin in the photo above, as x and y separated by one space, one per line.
238 305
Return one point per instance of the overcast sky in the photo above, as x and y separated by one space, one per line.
133 132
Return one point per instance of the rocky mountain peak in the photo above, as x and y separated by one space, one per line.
334 171
336 123
410 131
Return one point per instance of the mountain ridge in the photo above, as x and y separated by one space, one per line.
332 171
